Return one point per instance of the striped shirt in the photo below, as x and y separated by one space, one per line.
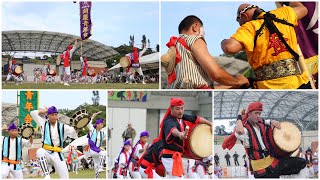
188 68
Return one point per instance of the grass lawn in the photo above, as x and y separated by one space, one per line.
88 174
80 86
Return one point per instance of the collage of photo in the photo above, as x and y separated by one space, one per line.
159 89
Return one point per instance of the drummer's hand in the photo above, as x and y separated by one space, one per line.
275 123
31 139
242 112
96 113
182 136
243 82
43 111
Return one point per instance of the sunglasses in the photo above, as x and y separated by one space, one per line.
245 10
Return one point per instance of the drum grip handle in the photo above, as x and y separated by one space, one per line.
186 131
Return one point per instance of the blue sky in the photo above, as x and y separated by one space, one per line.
113 22
218 19
60 99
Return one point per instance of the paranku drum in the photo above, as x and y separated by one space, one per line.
91 73
287 140
26 130
125 62
80 119
52 72
198 144
58 60
18 70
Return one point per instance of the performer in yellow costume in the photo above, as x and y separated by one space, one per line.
270 42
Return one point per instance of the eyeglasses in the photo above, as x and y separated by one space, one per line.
245 10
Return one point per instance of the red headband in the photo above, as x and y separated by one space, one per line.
176 102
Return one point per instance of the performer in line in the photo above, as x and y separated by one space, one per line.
251 130
84 70
202 167
191 170
172 134
95 139
67 56
36 74
73 159
139 148
12 74
135 64
12 153
123 159
150 160
309 160
53 135
50 77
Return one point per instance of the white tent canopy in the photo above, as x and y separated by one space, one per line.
144 60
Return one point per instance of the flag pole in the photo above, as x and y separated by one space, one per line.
81 48
302 61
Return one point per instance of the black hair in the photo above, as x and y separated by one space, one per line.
187 22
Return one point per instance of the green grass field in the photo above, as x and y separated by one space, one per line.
87 174
80 86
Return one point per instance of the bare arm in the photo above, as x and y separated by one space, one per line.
74 46
36 116
177 133
90 126
231 46
239 125
300 10
204 121
143 50
217 73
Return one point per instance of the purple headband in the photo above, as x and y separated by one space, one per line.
144 133
99 121
12 126
52 110
126 143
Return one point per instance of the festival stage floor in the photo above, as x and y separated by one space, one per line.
87 174
10 85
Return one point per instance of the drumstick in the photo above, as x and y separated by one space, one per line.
186 131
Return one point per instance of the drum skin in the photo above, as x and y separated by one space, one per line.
58 60
198 144
125 62
17 70
26 130
285 141
80 119
91 73
53 72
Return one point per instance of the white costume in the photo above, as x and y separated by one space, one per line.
10 150
123 160
49 78
98 157
201 169
191 173
67 70
134 171
56 135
